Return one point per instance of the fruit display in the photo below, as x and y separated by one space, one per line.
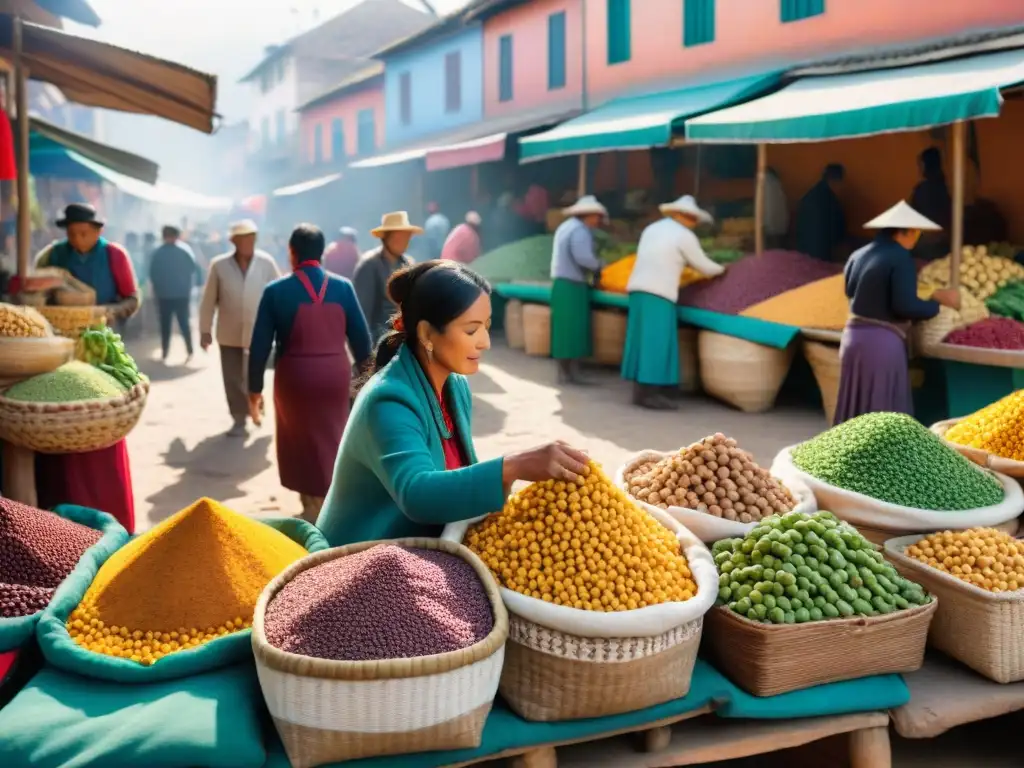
714 476
23 323
798 568
821 304
189 580
991 333
981 273
385 602
755 279
893 458
70 382
1008 301
583 544
990 559
38 549
935 330
615 277
102 347
997 428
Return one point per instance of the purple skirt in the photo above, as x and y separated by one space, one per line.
875 375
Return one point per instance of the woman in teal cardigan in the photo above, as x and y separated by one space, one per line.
406 464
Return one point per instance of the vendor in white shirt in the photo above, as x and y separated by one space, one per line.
666 248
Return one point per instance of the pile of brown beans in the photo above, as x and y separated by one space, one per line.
38 549
386 602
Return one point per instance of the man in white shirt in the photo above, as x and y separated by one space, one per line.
233 291
666 248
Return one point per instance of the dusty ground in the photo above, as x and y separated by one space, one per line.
179 452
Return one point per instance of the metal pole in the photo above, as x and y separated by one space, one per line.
762 165
956 239
21 154
581 179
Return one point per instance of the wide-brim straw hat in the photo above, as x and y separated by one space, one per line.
902 216
687 205
243 228
396 221
588 205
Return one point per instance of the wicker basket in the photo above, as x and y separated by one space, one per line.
33 298
741 373
770 659
982 629
537 330
75 427
68 297
608 331
332 711
71 321
689 361
979 456
23 358
514 323
825 363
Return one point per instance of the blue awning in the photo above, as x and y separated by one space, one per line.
867 103
639 122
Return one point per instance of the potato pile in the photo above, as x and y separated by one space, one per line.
585 545
714 476
984 557
980 273
23 323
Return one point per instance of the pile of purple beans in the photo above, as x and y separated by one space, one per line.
386 602
754 279
991 333
38 550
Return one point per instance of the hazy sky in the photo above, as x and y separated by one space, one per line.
222 37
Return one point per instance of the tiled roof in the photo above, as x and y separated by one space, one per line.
360 78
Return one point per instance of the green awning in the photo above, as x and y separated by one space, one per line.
866 103
639 122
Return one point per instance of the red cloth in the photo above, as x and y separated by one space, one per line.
98 479
6 662
122 270
453 458
8 165
341 258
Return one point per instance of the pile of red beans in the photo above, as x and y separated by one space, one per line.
990 333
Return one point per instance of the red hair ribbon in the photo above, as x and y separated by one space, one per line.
398 324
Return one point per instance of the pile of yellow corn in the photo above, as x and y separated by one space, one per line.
996 428
821 304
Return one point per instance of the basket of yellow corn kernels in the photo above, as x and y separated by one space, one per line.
28 346
606 600
992 437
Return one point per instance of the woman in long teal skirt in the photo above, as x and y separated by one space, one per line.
651 357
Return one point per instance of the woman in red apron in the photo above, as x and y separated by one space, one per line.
315 319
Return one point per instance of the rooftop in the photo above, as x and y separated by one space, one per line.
360 79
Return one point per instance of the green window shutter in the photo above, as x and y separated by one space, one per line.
366 134
556 51
505 68
337 140
795 10
318 144
619 49
698 22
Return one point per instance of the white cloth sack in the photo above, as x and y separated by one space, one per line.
858 509
651 621
706 527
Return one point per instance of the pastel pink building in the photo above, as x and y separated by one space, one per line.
646 44
346 122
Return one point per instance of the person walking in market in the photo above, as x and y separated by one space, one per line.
342 255
376 267
97 479
463 244
173 272
651 356
881 284
574 266
435 229
234 287
311 314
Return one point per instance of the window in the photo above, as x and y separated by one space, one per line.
318 144
367 131
337 140
556 51
265 132
405 98
698 22
453 82
618 31
795 10
505 68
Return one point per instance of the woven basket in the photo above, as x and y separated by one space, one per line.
689 361
984 630
514 323
332 711
71 321
24 358
770 659
979 456
741 373
32 298
67 297
75 427
537 330
608 331
825 363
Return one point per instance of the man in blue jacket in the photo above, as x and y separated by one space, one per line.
173 272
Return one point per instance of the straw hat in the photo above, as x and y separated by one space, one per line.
587 205
396 221
242 228
902 216
687 205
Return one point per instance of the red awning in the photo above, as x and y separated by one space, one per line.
488 149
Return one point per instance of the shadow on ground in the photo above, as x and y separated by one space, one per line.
488 419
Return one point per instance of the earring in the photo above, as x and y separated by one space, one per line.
430 352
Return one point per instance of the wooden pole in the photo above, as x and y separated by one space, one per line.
581 179
956 235
762 165
21 154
